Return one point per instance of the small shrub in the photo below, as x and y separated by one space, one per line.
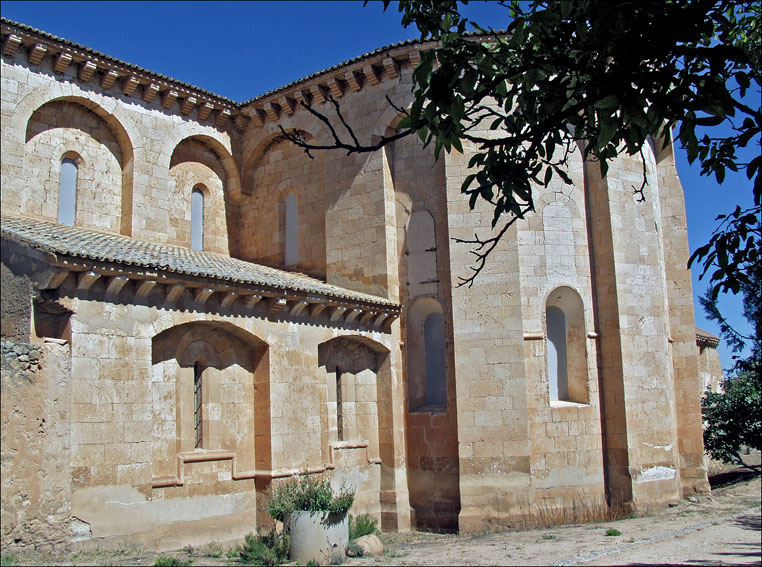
548 537
8 560
306 494
265 549
212 549
168 561
362 525
613 532
355 550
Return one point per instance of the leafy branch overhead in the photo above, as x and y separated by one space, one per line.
600 76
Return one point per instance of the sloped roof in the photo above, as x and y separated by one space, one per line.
705 338
103 247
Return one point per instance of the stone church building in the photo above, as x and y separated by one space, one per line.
193 309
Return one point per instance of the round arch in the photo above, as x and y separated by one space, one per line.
103 110
232 178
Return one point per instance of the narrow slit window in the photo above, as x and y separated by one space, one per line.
558 373
67 192
434 341
197 396
197 220
292 230
339 409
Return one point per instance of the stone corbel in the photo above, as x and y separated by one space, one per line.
115 285
240 122
316 309
86 71
228 299
85 280
378 321
287 105
150 92
253 300
370 75
297 307
352 315
50 278
303 97
202 295
276 305
169 98
205 110
336 87
367 316
130 84
37 52
222 117
188 104
390 68
335 313
62 62
174 291
109 78
317 94
144 288
11 45
353 81
272 109
387 324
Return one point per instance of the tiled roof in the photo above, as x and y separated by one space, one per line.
287 86
98 246
706 338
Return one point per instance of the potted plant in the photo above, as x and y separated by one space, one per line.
314 518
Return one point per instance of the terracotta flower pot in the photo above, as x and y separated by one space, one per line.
317 536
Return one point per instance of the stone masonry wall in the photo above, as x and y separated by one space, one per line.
36 492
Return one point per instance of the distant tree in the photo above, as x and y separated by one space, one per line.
604 75
733 417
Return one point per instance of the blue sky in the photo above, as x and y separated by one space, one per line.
244 49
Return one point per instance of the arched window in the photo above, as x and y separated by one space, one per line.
427 376
67 192
197 219
292 230
198 423
566 347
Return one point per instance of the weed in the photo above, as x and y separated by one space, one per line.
212 549
167 561
613 532
265 549
548 537
8 560
312 563
355 550
362 525
190 550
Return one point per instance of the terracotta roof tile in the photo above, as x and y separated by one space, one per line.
98 246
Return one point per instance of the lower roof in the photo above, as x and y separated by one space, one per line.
87 244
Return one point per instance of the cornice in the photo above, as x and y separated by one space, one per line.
352 76
111 74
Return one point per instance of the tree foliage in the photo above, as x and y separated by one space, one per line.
606 76
733 417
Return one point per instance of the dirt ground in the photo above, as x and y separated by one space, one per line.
721 529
